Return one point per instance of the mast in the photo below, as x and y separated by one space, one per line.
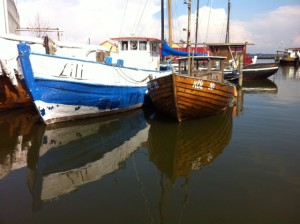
162 25
196 33
189 3
170 22
228 20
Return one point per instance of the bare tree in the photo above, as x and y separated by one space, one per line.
39 26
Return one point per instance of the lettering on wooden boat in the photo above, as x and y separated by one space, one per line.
198 84
211 86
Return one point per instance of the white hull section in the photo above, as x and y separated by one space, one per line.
52 113
88 72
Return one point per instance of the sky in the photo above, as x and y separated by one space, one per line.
270 24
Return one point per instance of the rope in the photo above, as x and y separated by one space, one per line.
141 16
142 186
127 77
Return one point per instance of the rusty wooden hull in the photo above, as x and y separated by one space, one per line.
184 98
11 97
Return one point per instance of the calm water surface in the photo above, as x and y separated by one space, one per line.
239 167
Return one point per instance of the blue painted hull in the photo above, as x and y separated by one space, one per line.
100 96
92 89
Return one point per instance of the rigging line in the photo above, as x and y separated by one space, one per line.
208 20
127 77
136 16
142 15
142 186
223 27
125 9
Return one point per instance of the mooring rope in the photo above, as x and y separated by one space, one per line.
128 78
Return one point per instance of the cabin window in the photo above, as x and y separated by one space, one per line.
154 47
124 45
133 45
201 65
143 45
216 65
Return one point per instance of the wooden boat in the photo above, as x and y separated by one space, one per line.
68 88
73 154
12 95
196 90
186 97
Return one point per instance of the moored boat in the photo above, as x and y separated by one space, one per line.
235 53
289 56
259 70
68 88
203 93
197 89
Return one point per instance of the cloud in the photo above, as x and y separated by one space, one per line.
269 31
82 20
275 29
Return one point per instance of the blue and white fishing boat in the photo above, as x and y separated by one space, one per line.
92 84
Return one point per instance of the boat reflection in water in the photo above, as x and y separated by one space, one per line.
73 154
259 86
178 148
17 128
290 72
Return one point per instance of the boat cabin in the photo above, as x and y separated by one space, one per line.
290 56
232 51
205 67
142 52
